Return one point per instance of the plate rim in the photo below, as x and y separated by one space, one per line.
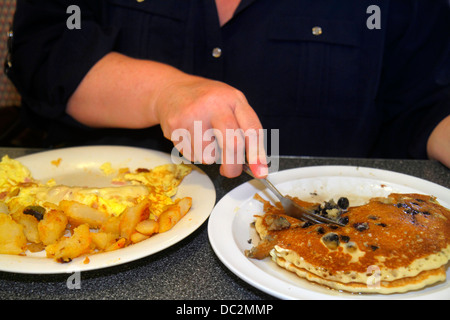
169 238
286 176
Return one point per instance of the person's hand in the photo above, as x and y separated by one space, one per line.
123 92
438 146
210 113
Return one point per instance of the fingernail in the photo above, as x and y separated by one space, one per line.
262 171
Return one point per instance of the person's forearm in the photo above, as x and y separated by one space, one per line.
438 146
120 92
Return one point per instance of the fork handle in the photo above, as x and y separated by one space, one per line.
266 182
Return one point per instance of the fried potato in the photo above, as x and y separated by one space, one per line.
169 218
112 225
68 248
131 217
30 226
12 238
174 213
185 205
148 227
79 213
119 244
52 227
103 240
138 237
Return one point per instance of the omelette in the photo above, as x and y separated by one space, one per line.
19 189
389 245
37 215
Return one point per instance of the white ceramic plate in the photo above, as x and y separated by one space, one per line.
229 224
81 167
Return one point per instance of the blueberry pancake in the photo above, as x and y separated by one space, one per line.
389 245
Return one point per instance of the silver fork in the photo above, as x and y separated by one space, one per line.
291 208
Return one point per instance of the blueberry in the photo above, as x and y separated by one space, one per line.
343 203
361 226
331 240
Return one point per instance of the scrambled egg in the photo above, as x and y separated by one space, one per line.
12 172
18 189
165 179
107 168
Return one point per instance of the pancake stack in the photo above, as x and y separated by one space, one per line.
389 245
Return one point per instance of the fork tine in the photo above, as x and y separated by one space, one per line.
312 217
315 217
307 218
302 213
322 219
305 214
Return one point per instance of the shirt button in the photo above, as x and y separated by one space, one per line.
217 52
317 31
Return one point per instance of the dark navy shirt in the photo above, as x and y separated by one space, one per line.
312 69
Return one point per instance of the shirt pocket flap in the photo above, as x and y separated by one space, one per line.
167 8
290 28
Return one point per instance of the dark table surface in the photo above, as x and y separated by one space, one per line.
189 270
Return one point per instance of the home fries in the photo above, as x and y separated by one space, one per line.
71 221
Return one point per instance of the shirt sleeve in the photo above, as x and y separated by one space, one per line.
414 91
49 59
